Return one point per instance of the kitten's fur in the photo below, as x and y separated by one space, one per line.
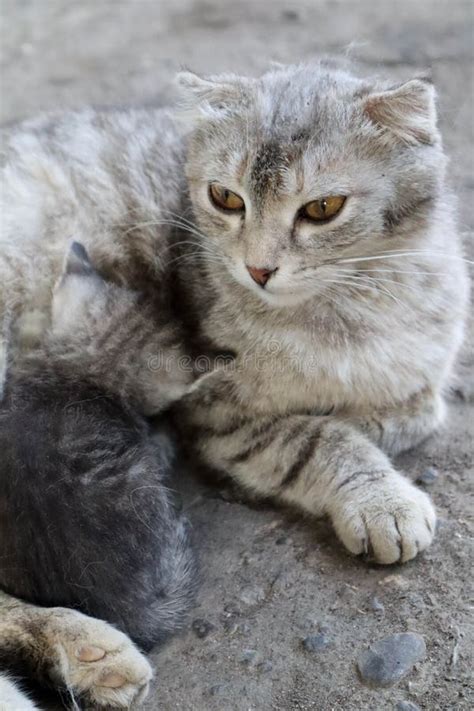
373 345
86 518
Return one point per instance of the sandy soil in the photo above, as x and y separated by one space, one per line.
269 579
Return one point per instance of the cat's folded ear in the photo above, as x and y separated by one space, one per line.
406 113
211 97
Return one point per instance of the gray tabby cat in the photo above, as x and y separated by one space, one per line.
303 223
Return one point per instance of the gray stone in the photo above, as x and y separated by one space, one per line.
315 642
202 628
231 626
406 706
249 657
290 15
252 595
217 689
265 666
428 476
376 605
390 659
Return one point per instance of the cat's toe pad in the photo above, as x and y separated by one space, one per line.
392 523
89 653
99 663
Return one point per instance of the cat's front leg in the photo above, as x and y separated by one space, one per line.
77 653
323 466
400 427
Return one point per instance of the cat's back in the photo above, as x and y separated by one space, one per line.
90 150
109 179
53 426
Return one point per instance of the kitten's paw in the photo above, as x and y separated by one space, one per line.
391 520
96 661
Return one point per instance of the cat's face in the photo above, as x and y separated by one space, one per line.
306 166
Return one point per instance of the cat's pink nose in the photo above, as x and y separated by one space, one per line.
261 276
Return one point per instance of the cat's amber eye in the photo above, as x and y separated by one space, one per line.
224 198
324 208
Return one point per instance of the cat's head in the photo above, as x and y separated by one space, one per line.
307 165
114 336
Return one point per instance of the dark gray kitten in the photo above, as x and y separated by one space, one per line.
86 518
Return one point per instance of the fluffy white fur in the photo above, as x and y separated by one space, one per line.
12 698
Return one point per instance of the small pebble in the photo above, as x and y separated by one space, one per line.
202 628
396 581
282 582
415 599
290 15
281 540
246 559
217 689
248 656
376 605
406 706
231 626
390 659
315 642
252 595
428 476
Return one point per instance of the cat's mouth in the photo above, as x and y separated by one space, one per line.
272 293
284 298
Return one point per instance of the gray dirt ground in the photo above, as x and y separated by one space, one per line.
270 579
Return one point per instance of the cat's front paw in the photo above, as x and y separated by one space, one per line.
96 661
389 519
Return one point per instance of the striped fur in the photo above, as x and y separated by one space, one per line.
338 364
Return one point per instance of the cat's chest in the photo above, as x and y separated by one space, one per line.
294 369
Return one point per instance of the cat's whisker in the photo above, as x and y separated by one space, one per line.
206 255
165 223
193 259
375 282
179 217
146 214
398 255
377 270
202 247
375 279
361 285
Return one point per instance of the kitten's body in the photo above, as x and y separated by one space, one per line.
373 345
87 519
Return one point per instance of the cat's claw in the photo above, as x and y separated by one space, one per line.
392 522
97 662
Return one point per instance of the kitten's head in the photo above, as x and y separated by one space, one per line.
306 165
112 335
